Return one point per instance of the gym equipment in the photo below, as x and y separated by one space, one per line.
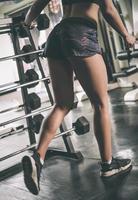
31 75
133 94
33 113
37 121
134 54
23 55
127 71
81 127
21 31
29 147
128 55
34 103
29 58
69 147
125 55
42 23
13 131
15 87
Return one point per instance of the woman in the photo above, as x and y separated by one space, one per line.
73 46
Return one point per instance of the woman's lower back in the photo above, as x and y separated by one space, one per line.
86 10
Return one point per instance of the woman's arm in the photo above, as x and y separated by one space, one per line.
112 16
35 10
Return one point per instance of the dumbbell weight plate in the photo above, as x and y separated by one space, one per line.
34 101
31 75
43 22
22 33
81 126
37 122
28 58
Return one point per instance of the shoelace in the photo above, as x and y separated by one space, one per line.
117 161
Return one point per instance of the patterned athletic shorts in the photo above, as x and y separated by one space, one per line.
74 36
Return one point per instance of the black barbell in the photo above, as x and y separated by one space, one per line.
30 75
81 127
29 84
33 113
27 54
13 131
125 55
36 124
34 102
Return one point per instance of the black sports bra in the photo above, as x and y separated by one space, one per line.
70 2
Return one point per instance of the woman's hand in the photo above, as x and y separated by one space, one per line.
130 40
30 26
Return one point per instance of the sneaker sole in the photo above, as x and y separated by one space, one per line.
28 175
116 171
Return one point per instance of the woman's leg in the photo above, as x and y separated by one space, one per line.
62 81
61 74
91 72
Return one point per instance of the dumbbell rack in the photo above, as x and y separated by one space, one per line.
70 151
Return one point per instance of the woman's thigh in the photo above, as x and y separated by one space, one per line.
92 75
61 73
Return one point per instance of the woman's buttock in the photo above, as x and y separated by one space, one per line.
76 34
73 36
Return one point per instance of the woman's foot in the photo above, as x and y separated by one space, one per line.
32 168
117 166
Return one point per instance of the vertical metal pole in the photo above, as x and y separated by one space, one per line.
40 68
66 138
20 67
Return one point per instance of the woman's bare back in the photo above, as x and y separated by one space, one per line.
86 10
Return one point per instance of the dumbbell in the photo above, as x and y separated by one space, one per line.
31 54
37 121
28 58
81 126
34 101
42 23
31 75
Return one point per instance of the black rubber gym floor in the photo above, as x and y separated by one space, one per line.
64 179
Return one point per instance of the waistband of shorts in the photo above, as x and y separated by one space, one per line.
85 21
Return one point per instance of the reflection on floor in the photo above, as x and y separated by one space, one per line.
67 179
